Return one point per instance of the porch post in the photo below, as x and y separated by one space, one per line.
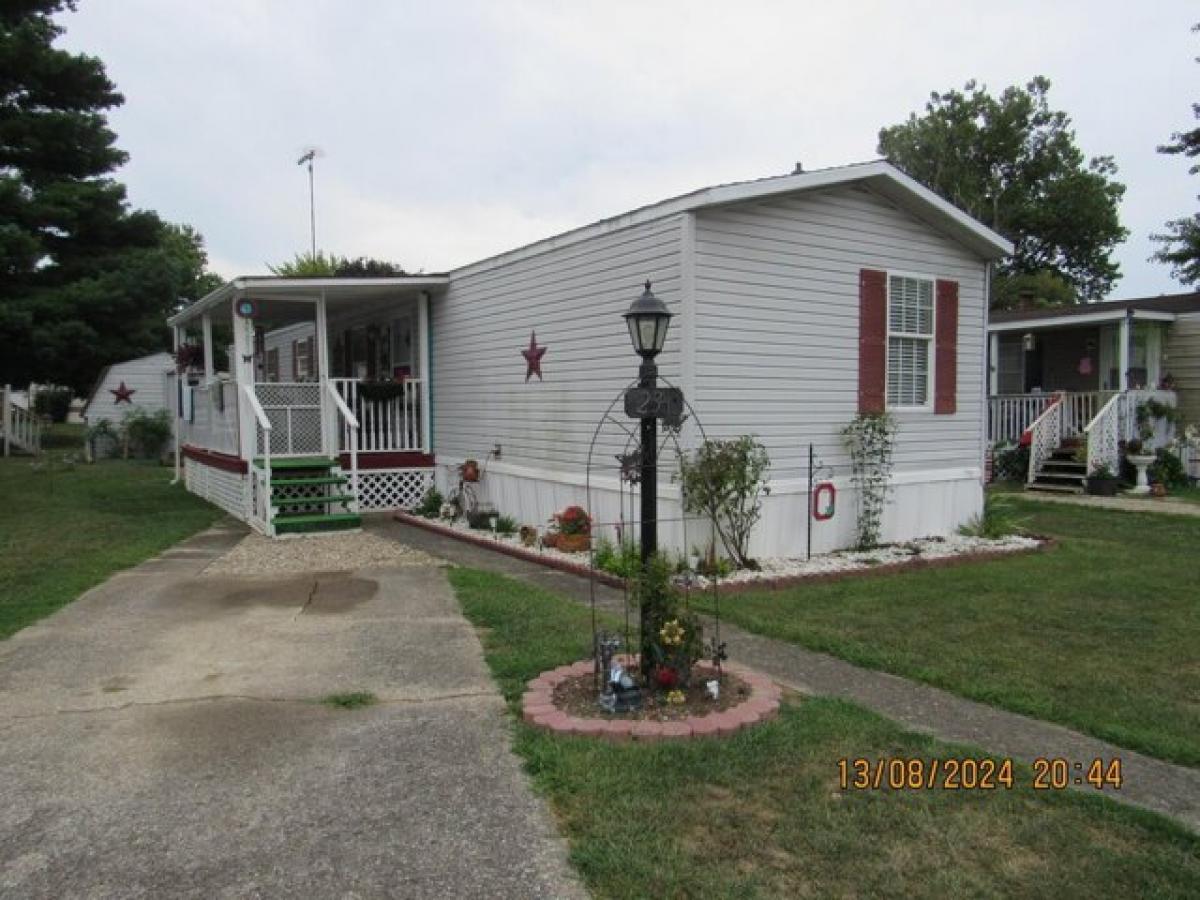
1123 353
242 365
206 330
993 363
329 417
426 373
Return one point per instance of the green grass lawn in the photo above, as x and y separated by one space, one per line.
763 814
63 531
1101 633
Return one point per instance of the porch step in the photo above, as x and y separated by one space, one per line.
327 522
311 501
305 482
1054 488
297 462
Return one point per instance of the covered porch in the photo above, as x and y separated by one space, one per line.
1083 357
306 373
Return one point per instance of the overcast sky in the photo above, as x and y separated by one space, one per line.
456 130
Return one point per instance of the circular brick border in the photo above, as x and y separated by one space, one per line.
538 709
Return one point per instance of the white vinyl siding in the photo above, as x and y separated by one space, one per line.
910 341
145 377
573 297
777 301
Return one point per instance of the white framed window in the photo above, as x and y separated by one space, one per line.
910 313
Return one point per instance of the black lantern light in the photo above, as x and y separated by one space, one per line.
648 319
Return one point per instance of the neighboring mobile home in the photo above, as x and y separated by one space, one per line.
1099 361
799 302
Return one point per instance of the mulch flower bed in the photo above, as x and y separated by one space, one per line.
580 715
577 695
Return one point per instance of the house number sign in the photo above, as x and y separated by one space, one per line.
659 403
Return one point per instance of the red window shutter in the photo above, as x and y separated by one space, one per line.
872 340
945 352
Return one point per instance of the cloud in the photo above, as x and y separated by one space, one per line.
455 131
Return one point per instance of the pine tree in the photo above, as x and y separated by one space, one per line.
84 281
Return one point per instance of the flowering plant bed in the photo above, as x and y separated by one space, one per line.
774 571
577 695
563 700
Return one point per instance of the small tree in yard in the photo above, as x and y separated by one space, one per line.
726 481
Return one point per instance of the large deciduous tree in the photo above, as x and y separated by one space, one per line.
1012 162
84 281
1181 240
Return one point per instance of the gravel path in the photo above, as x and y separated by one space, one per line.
258 555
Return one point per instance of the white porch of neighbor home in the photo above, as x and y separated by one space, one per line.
307 369
1077 380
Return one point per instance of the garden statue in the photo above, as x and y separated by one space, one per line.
620 693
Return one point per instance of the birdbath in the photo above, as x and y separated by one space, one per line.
1141 461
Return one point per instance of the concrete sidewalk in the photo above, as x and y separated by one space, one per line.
160 737
1171 506
1163 787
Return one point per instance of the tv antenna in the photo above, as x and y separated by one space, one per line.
309 154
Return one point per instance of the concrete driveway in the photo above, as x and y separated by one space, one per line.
159 737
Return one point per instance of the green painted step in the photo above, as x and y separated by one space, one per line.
297 462
304 482
306 501
332 522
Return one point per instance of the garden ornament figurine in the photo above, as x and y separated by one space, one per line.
620 693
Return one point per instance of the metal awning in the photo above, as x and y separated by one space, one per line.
334 290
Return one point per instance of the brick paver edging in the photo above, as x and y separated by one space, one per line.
725 587
538 709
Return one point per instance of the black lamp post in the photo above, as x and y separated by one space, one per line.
648 321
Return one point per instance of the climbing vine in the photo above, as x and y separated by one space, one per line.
870 439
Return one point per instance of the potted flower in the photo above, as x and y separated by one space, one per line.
574 529
1135 453
1102 481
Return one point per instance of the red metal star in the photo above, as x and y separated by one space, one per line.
533 357
123 393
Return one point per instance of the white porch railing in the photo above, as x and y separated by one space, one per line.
260 476
214 417
1009 415
1103 436
19 427
350 423
391 424
1046 434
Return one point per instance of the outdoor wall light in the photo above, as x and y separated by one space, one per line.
648 319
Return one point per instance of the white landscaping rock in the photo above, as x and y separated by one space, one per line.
777 567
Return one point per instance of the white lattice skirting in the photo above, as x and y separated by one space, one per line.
227 490
380 489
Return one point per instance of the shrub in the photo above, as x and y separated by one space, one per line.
1168 469
54 402
726 481
146 433
998 519
430 506
506 525
671 638
1010 462
623 560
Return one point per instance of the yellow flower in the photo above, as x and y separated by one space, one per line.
671 634
676 697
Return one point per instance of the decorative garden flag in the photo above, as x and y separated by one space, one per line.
533 357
